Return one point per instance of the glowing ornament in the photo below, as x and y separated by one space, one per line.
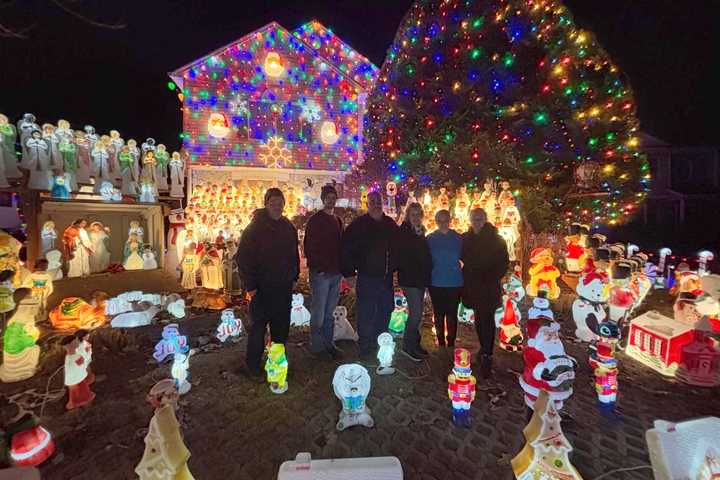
218 126
657 341
74 312
299 314
547 366
165 455
273 66
399 315
31 445
465 315
588 309
170 343
179 372
328 133
461 388
343 330
78 377
20 354
385 354
543 274
276 367
546 451
686 449
508 316
351 384
703 258
229 326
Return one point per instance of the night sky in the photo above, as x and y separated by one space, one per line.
116 79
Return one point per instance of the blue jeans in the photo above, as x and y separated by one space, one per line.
375 301
415 297
325 292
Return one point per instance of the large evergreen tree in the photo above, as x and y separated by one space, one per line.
509 89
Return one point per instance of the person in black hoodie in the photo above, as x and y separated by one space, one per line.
367 251
269 264
414 270
485 262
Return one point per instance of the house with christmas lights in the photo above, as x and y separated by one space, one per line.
275 107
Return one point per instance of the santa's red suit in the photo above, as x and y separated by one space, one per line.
77 377
622 298
511 336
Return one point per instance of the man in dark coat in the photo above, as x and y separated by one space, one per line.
485 262
269 264
367 251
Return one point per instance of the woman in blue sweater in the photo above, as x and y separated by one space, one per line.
447 278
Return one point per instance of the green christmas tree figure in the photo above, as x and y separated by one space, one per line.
508 89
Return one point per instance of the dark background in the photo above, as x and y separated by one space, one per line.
116 78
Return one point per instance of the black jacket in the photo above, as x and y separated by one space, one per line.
413 258
323 234
268 252
485 262
367 247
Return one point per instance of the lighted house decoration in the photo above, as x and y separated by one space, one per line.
658 341
685 450
293 102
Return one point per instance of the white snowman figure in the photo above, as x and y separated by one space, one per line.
299 315
175 305
385 354
343 330
466 315
149 262
589 308
229 326
147 193
541 307
109 193
179 371
351 385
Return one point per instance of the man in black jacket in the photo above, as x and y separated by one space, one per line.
485 262
323 233
269 264
367 250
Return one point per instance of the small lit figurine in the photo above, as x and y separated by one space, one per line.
108 192
132 254
37 161
391 190
546 451
148 256
137 230
161 169
170 343
177 176
54 258
74 312
299 314
399 316
100 240
60 186
211 274
603 363
461 388
30 446
20 354
543 274
42 283
116 145
462 205
165 455
622 298
189 267
179 371
148 181
128 172
574 249
229 326
386 342
276 367
48 236
465 315
78 378
25 126
8 136
7 291
507 317
588 309
101 163
343 330
351 384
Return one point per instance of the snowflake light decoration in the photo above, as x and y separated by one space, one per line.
274 153
239 106
310 111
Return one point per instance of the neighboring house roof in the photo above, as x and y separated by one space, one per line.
313 36
648 141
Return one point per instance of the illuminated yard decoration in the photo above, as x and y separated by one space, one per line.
276 98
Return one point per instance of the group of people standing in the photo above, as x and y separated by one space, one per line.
454 267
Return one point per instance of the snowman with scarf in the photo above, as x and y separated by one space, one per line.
589 308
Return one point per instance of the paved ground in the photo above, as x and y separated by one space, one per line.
236 429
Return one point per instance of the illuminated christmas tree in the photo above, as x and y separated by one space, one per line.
508 89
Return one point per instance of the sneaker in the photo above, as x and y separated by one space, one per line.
412 355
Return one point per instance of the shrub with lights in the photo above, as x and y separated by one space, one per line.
514 90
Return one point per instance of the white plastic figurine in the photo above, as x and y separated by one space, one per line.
108 192
177 176
351 385
175 305
54 258
8 136
101 164
170 343
229 326
48 236
343 330
90 136
386 342
37 161
100 240
77 243
82 148
588 309
179 372
299 314
137 230
64 131
149 262
53 142
132 254
26 125
128 171
148 145
161 168
116 146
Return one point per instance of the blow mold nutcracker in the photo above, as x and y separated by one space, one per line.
461 388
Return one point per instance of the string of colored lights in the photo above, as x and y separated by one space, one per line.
517 75
273 100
